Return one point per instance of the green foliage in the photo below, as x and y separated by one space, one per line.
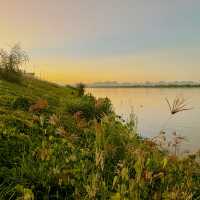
81 89
22 103
11 75
10 63
89 107
84 105
103 106
78 149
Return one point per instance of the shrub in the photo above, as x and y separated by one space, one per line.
69 123
22 103
103 106
90 108
81 89
11 75
85 105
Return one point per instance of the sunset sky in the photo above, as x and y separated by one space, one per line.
106 40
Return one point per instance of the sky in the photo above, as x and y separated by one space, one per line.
71 41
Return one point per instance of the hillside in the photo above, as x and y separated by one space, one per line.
57 144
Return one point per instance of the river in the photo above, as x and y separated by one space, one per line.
152 111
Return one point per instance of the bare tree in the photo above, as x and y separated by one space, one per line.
11 63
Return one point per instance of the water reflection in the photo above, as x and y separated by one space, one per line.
152 111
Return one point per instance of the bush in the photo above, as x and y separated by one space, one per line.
89 107
103 106
85 105
22 103
11 75
81 89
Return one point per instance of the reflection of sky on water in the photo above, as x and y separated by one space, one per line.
153 113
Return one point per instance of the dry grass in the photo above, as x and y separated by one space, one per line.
41 104
178 105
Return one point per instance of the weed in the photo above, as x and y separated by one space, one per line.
178 105
22 103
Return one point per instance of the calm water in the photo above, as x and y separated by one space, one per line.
152 111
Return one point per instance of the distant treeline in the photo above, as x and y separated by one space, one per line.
144 86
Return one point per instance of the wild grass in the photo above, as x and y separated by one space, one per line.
173 144
178 105
77 148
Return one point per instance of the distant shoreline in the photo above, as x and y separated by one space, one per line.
148 86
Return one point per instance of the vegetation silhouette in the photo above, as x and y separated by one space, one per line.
11 63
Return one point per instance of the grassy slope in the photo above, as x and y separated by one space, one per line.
15 122
35 89
54 154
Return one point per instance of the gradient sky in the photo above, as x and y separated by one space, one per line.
105 40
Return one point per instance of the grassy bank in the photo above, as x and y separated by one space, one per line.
56 143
